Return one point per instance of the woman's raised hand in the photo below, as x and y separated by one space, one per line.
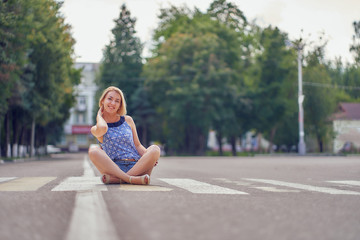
101 111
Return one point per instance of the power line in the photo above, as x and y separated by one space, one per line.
330 86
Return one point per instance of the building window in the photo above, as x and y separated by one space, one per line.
82 100
80 118
81 139
81 104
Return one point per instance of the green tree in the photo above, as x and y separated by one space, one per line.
351 79
351 76
275 86
11 51
43 91
194 70
229 14
144 114
11 54
122 62
355 47
319 102
52 73
233 120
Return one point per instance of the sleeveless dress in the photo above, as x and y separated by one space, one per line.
118 144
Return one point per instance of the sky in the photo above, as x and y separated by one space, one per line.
92 21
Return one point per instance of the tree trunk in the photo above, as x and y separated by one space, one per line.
7 135
321 144
259 142
219 140
15 140
21 142
233 145
32 141
144 135
201 144
272 136
0 135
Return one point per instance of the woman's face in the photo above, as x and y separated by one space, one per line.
112 102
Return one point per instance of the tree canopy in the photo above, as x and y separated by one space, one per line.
212 70
37 72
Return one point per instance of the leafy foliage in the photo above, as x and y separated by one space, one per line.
355 47
319 102
122 63
275 83
194 69
40 47
209 71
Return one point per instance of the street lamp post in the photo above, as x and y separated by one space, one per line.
301 146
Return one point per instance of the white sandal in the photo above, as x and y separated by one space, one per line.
106 179
145 179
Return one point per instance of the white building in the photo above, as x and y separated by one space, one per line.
346 123
77 128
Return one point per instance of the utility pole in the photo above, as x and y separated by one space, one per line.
301 146
299 46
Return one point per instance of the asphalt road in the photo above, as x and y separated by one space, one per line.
259 197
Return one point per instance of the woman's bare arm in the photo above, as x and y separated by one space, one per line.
101 126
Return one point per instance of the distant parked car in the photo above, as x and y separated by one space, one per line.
52 149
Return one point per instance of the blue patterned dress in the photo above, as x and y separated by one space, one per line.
118 143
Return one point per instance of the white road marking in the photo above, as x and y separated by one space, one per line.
199 187
25 184
304 187
84 183
88 171
248 184
5 179
349 182
90 219
143 188
80 184
274 189
239 183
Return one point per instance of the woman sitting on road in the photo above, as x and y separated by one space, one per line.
121 157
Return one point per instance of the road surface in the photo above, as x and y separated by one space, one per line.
262 197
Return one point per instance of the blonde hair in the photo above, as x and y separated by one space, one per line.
122 109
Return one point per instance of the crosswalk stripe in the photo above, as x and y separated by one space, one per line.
304 187
199 187
143 188
6 179
90 182
84 183
274 189
239 183
80 184
248 184
349 182
25 184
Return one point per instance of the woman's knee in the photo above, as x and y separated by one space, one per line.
155 150
94 152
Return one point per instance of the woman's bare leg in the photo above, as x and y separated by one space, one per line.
106 166
146 163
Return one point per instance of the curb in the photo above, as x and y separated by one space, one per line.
20 160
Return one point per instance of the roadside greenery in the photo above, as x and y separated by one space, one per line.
37 75
212 70
215 70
